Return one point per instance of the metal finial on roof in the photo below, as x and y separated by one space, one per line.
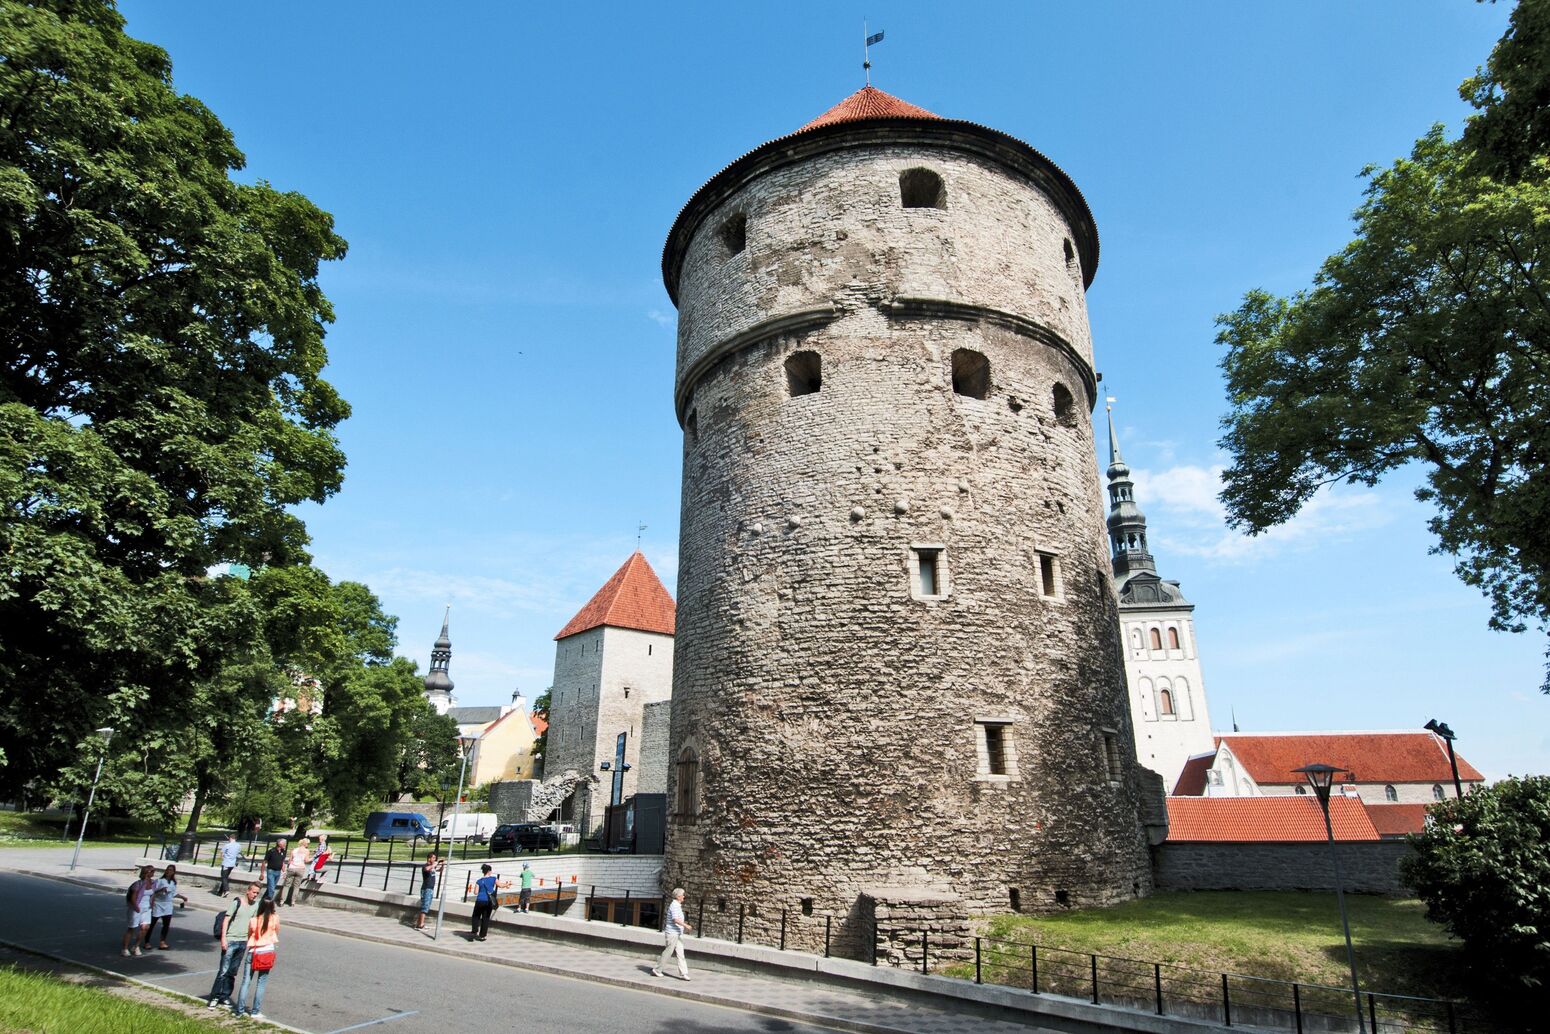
866 50
640 529
1114 457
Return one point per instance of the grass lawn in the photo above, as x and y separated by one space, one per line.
44 1004
1285 935
33 829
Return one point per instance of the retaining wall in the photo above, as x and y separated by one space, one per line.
1368 867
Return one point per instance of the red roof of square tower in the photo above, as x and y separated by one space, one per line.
633 598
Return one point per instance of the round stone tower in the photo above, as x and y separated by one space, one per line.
897 676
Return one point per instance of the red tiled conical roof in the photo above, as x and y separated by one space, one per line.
868 102
633 598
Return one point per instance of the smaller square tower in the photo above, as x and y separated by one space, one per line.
611 660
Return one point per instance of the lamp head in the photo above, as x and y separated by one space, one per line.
606 766
1440 728
1320 777
105 734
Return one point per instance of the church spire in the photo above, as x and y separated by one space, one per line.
438 684
1127 524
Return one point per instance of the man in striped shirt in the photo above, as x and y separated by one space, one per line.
673 933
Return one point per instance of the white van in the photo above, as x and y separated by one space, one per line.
476 826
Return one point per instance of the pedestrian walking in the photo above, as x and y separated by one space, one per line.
165 900
263 936
296 871
138 900
428 873
320 859
527 888
274 866
231 854
484 901
673 934
232 931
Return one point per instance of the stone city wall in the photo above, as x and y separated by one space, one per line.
1369 867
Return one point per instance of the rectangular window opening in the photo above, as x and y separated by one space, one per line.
928 573
1111 755
995 749
1049 583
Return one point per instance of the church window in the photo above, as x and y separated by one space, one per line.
971 373
804 374
688 796
734 234
1389 793
1135 638
1173 639
1301 790
1165 702
1049 575
1111 762
921 188
993 747
928 572
1437 791
1064 405
1156 639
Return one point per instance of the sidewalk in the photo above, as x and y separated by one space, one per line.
876 1001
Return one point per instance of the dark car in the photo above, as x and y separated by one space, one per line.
523 836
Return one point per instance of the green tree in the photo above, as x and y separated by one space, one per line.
1482 867
429 754
161 398
541 741
1425 340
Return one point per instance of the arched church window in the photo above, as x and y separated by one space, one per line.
1301 790
1437 791
921 188
971 373
688 796
1156 639
1390 794
1165 702
1173 638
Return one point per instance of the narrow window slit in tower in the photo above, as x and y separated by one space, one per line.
804 374
928 572
1048 584
971 373
1064 405
1015 899
1070 252
734 234
921 188
995 749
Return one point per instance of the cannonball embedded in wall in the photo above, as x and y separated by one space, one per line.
857 513
901 506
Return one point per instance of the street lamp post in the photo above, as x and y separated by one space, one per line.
1446 734
1320 777
441 812
106 735
468 744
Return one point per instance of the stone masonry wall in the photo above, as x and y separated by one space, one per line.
1369 867
656 726
837 716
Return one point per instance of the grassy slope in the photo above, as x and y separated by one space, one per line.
1287 935
44 1005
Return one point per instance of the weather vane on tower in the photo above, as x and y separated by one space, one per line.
866 50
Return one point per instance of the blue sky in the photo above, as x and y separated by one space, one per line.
506 175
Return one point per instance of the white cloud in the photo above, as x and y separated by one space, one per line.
1187 517
659 317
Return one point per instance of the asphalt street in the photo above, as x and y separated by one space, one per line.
329 984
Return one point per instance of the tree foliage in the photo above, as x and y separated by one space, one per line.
1483 870
161 398
1425 340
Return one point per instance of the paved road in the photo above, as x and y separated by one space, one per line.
326 983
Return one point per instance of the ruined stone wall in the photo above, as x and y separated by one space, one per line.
1368 867
573 706
838 718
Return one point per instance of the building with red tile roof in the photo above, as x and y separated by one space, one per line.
868 103
1397 820
1396 767
1243 820
610 661
633 598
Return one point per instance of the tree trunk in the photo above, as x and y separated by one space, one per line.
187 843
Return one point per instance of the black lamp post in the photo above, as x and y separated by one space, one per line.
1446 734
1320 777
441 811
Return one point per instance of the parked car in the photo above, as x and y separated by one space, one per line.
476 826
397 825
524 836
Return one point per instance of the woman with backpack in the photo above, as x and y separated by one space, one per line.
138 898
164 898
484 901
263 935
